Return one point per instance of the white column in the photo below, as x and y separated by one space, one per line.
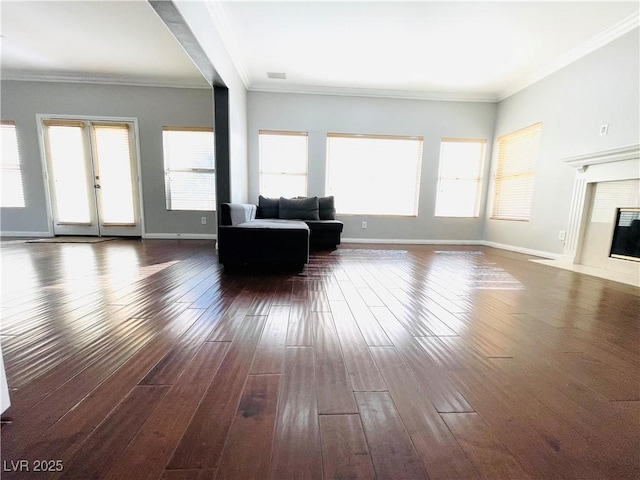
576 217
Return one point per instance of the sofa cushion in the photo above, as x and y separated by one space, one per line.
235 213
327 208
273 223
268 207
325 225
299 208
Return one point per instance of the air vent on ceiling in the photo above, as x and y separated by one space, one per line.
277 75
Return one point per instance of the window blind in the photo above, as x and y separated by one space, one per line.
515 174
460 177
112 150
189 162
283 163
66 153
11 170
374 174
609 196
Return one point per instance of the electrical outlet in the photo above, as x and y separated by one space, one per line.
364 224
203 220
562 235
604 129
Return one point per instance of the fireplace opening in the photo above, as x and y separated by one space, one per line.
626 235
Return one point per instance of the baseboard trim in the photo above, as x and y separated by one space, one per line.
383 241
180 236
26 234
394 241
526 251
483 243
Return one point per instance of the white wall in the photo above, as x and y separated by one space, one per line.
320 114
572 104
153 107
198 18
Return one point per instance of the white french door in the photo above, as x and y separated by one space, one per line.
92 174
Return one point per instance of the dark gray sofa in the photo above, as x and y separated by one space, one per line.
276 231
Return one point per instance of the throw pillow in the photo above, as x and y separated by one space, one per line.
268 207
299 208
327 208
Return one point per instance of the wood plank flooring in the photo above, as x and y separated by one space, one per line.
138 359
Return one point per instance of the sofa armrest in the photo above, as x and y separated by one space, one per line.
236 213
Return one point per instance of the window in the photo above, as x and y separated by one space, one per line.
189 168
517 154
374 174
460 177
12 186
283 163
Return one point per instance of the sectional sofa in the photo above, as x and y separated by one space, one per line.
277 231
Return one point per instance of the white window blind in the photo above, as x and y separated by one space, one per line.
460 177
374 174
517 154
66 149
112 149
283 163
609 196
189 164
11 182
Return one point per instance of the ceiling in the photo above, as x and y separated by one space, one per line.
443 50
121 42
465 50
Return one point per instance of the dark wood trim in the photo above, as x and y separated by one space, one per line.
223 145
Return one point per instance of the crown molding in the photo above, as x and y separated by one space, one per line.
95 79
375 93
599 41
222 26
580 162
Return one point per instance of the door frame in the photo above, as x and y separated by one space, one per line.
41 117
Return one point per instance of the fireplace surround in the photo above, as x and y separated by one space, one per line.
618 165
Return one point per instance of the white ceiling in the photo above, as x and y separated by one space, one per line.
96 41
450 50
466 50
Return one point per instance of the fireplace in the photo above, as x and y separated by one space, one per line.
625 243
606 187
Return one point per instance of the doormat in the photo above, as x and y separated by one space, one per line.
65 239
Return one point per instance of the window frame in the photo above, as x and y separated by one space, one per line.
418 171
13 168
527 171
284 133
168 170
479 178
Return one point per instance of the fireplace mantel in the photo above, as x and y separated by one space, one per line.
604 166
582 162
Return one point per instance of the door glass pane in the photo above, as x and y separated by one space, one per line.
113 159
66 149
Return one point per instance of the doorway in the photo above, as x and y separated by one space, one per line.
92 174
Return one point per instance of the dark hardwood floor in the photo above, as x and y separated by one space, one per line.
145 360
